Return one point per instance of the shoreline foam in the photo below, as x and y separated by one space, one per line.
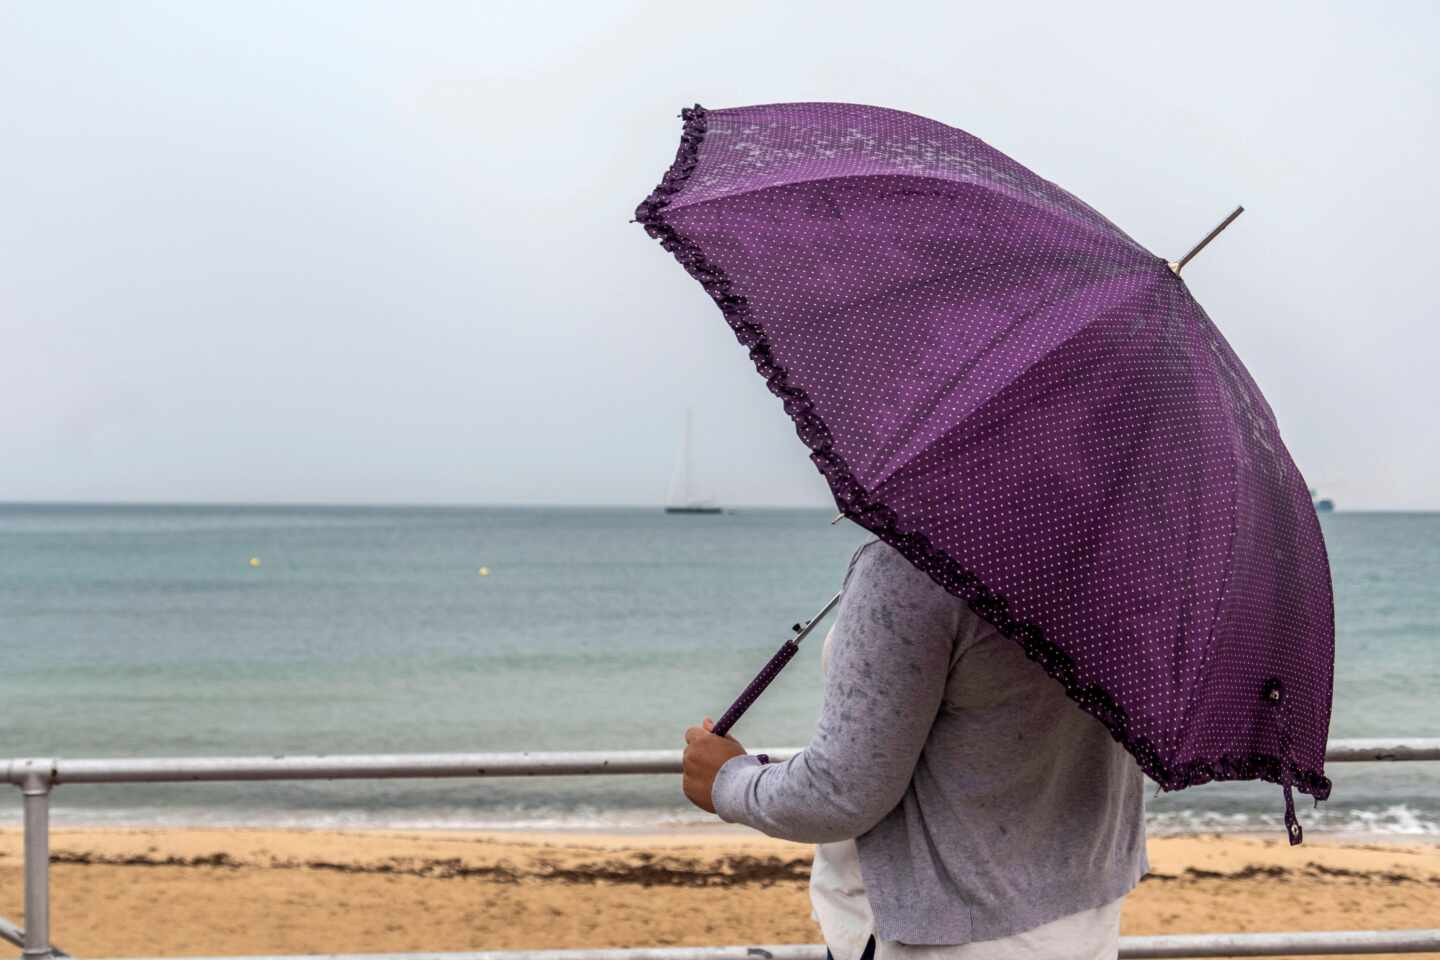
1394 824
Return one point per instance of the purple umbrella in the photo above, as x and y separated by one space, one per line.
1032 408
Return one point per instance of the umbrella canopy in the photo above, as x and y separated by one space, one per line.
1032 408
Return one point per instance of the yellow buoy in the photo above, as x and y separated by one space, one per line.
254 561
484 571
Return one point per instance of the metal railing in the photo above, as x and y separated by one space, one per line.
36 778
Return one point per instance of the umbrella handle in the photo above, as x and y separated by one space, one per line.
768 672
756 687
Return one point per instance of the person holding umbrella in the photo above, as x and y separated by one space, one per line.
1094 557
991 811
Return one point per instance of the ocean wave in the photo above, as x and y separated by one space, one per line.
1394 820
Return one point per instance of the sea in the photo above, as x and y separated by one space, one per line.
247 630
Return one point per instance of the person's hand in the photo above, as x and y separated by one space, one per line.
705 753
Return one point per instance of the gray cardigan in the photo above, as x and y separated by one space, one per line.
983 801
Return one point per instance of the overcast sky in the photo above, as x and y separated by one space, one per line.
381 252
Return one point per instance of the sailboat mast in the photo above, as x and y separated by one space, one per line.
687 487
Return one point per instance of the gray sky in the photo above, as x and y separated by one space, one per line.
380 252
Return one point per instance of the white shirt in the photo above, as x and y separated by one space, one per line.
839 906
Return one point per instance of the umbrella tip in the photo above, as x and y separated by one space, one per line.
1178 265
837 518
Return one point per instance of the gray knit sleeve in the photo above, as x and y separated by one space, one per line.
895 632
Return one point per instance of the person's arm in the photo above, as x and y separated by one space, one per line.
894 636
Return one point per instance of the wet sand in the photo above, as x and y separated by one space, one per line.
179 891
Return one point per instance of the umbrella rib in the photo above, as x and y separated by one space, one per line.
1007 191
895 468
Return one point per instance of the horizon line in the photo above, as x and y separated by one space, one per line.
503 505
395 504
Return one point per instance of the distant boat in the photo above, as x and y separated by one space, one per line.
683 497
1322 504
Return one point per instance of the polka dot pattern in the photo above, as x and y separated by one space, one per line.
1033 409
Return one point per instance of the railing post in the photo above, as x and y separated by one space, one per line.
36 778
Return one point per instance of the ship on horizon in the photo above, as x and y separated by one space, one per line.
683 497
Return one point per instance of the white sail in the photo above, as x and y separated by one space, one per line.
685 497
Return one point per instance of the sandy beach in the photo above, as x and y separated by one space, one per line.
147 892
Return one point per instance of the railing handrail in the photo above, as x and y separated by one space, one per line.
1131 948
513 764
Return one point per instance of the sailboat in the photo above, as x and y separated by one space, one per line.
683 498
